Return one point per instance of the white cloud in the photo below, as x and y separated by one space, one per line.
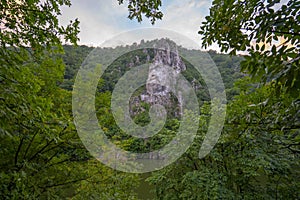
102 19
99 20
185 17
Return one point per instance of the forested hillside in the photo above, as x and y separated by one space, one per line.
74 56
255 157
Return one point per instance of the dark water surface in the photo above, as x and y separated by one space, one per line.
144 189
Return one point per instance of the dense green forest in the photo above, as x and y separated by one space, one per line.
257 154
74 57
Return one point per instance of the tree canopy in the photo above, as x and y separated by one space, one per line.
256 157
267 31
34 24
42 156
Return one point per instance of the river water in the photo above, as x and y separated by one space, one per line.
144 189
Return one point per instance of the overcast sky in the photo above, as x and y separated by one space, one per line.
100 20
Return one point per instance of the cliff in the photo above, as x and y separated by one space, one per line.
163 76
